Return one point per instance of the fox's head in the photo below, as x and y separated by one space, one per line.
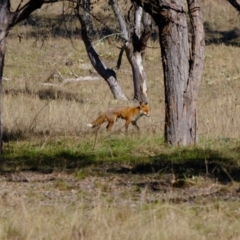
144 109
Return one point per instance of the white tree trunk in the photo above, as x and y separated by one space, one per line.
135 47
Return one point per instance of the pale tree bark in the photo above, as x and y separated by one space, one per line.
135 43
107 74
182 70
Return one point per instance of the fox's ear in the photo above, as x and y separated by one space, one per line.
141 103
139 107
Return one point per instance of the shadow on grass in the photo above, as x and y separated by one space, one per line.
216 36
44 163
187 163
183 162
44 26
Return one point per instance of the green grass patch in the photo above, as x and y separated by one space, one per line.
137 155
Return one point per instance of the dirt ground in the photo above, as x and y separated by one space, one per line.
134 189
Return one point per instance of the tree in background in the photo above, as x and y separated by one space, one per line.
11 13
182 68
134 35
182 64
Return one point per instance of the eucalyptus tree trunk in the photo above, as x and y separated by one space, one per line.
136 51
182 69
196 63
135 42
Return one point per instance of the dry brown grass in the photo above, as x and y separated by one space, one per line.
32 65
67 108
61 207
91 97
115 206
81 211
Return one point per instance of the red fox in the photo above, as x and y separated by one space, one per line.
130 114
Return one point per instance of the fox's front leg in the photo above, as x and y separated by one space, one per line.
134 123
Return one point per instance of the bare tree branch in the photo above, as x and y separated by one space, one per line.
107 74
122 23
119 61
23 12
138 20
235 4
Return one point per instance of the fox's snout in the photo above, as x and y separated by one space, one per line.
145 114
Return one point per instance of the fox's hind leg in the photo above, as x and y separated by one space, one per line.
109 126
110 123
128 121
111 120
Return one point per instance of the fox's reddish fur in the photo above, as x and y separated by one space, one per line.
130 114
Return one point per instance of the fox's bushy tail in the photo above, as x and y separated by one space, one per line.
100 120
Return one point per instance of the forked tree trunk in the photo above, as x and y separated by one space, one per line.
135 42
136 51
182 70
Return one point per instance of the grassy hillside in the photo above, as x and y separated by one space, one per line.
65 181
